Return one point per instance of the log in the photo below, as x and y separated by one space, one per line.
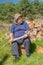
32 24
40 33
39 49
22 49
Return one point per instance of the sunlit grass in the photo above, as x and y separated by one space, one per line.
6 57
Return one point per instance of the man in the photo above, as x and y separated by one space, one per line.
19 29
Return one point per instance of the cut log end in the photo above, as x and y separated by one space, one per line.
39 50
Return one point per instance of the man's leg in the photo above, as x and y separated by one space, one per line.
15 51
27 46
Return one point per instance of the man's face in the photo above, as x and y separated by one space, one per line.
19 20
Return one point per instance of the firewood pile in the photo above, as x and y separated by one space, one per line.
36 31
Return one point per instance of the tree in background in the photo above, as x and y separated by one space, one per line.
6 11
29 9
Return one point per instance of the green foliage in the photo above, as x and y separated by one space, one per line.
26 7
6 10
41 8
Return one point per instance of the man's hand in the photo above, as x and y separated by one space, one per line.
11 40
25 36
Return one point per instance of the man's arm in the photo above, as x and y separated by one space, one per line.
11 37
12 33
27 29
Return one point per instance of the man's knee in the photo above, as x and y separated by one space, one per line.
27 40
14 45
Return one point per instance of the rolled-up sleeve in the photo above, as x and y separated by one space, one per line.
12 29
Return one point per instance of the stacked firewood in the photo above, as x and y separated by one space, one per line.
36 31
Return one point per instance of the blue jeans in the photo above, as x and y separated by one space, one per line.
15 46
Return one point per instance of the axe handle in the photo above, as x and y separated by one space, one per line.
19 37
14 40
25 35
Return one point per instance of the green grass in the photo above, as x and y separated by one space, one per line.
6 57
2 33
